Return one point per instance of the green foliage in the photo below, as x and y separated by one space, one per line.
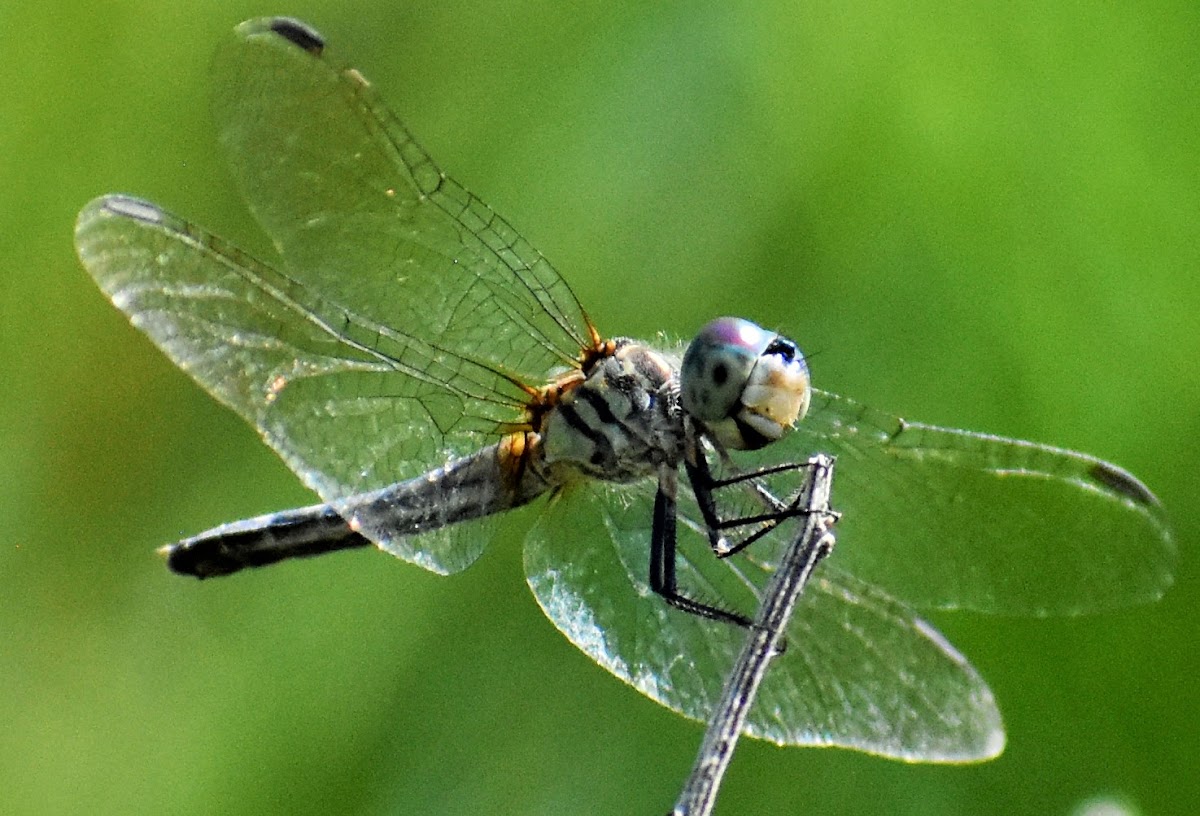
983 218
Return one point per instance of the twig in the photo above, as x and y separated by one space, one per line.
699 793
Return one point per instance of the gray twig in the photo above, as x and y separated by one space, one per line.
815 540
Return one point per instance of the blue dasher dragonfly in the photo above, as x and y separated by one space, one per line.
422 368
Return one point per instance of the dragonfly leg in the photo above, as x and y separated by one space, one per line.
662 558
705 485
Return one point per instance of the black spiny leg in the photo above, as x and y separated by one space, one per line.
662 558
704 485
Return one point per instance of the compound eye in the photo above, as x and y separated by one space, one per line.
746 386
717 366
784 348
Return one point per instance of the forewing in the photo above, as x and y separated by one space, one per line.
860 671
361 213
408 322
350 405
951 519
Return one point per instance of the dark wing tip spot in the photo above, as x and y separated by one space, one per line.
1122 482
299 34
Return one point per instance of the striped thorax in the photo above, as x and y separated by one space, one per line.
621 423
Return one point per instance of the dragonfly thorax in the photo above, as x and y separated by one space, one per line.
622 422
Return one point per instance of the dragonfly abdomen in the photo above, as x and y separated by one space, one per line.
263 540
497 478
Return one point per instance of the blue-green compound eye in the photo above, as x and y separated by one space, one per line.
717 365
747 386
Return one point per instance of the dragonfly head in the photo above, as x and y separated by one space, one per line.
746 385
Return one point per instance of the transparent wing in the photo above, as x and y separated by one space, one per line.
861 670
336 395
361 213
942 518
408 320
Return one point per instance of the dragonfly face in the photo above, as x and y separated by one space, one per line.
749 387
422 368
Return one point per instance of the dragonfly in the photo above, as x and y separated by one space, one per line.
423 369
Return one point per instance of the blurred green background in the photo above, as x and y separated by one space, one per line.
983 217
